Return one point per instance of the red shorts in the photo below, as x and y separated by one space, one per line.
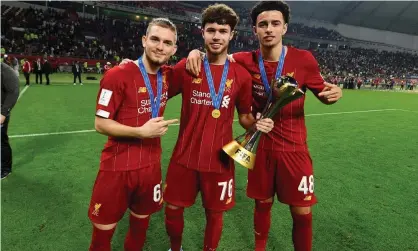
287 174
114 192
183 184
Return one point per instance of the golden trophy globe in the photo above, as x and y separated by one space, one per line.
243 149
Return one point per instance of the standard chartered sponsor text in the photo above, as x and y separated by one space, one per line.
146 104
196 98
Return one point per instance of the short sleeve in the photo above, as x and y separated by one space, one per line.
313 79
242 58
110 96
245 97
175 81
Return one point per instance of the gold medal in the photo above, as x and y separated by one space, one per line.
216 113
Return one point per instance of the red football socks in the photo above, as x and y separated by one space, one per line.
135 239
174 224
213 231
262 222
302 232
101 239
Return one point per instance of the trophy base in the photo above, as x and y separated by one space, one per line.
240 154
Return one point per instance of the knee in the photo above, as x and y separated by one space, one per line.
170 206
263 205
300 210
105 227
172 211
213 214
139 216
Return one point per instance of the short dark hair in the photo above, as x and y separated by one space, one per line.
163 22
220 14
260 7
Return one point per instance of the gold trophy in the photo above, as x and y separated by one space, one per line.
243 149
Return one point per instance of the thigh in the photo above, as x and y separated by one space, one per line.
261 181
110 197
181 186
295 179
218 189
4 129
147 196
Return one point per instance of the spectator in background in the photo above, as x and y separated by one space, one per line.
26 71
77 72
38 70
107 67
9 95
47 69
99 69
15 65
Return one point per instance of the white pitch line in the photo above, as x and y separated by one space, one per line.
23 91
49 133
407 110
235 120
338 113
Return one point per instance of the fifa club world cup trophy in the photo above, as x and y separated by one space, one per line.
243 149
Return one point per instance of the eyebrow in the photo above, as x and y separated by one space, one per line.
213 29
272 21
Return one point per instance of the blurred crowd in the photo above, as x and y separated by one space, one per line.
367 63
65 34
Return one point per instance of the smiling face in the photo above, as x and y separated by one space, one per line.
159 44
218 24
270 27
217 37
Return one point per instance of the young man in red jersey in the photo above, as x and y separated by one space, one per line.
130 105
198 163
283 164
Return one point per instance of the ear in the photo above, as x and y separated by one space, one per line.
203 34
174 50
284 29
144 40
255 30
231 36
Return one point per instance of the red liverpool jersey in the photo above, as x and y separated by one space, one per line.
124 98
201 137
289 132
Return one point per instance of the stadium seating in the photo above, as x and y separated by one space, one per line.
62 33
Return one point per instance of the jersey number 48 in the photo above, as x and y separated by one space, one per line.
306 185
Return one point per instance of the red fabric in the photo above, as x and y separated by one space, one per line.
302 232
213 231
287 174
289 132
262 222
201 137
124 98
183 184
135 239
115 192
27 67
101 239
174 224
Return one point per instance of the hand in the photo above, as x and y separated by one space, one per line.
194 62
126 61
231 59
155 127
3 118
264 125
331 93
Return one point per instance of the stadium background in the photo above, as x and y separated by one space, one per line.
364 147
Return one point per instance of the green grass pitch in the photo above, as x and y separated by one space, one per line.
365 165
